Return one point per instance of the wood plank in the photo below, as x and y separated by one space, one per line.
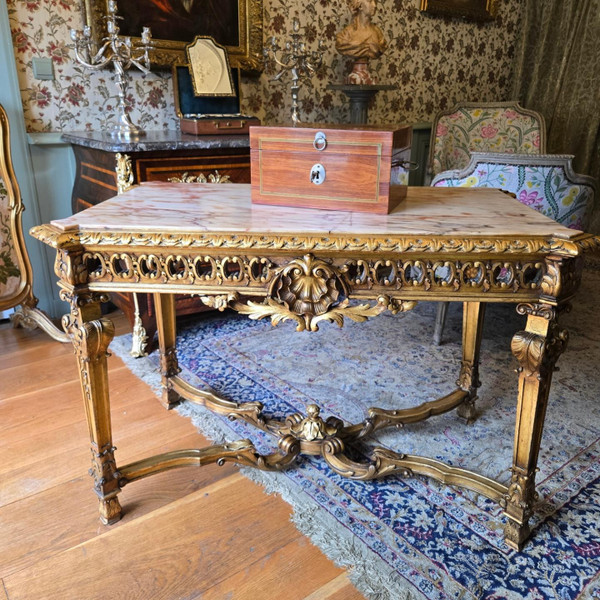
15 339
184 548
47 411
33 350
17 380
339 588
66 454
279 571
56 519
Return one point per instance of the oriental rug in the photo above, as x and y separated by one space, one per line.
410 538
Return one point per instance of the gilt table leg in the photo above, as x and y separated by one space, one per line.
91 334
537 349
165 322
468 380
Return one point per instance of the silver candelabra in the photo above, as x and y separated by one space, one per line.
294 58
123 53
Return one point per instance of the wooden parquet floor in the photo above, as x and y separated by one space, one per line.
189 533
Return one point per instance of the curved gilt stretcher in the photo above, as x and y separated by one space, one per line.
314 267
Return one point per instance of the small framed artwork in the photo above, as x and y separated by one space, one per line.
474 10
235 24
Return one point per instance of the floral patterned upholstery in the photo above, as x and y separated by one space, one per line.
544 182
547 183
494 127
9 270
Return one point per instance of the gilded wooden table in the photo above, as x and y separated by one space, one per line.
462 245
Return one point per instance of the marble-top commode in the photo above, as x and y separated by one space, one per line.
158 140
180 207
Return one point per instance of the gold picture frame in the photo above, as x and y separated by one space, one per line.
164 18
474 10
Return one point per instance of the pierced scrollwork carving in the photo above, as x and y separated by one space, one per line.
309 290
504 277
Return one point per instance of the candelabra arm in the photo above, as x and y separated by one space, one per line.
142 67
93 62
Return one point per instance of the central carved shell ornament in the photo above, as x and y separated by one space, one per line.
309 290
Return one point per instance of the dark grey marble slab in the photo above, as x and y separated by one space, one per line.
154 140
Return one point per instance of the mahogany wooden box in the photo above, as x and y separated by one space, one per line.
339 167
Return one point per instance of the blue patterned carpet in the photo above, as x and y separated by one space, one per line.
412 538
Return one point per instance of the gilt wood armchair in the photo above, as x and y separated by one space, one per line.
16 276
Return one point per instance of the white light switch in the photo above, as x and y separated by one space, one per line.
43 68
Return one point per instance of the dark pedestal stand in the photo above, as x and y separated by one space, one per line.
360 96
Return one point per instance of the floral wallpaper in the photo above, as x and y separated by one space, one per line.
433 61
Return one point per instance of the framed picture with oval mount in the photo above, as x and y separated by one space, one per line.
474 10
236 24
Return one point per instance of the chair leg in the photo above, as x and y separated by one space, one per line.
440 321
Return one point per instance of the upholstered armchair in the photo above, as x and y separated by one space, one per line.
16 277
546 183
483 127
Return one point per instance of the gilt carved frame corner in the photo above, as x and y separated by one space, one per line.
247 54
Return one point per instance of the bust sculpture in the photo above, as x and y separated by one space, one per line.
361 40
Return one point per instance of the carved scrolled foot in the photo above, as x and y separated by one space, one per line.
110 510
516 534
518 505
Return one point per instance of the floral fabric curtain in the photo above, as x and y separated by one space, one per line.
557 72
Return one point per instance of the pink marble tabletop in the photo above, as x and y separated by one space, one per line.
189 207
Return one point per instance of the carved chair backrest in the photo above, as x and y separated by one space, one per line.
488 127
546 183
15 268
